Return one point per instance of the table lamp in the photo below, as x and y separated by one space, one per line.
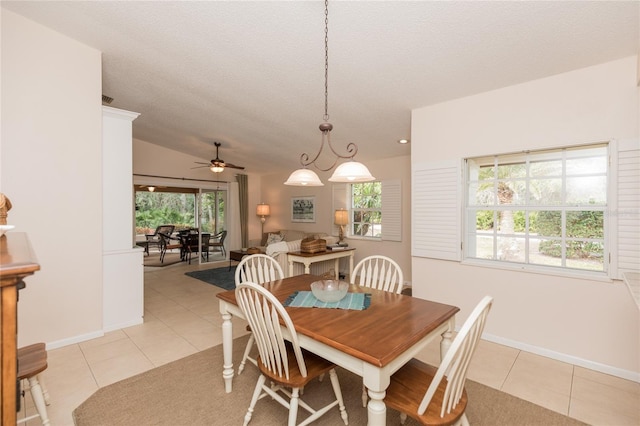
263 210
341 218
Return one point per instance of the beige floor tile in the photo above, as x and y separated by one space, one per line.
113 369
541 380
600 399
491 364
609 380
114 349
109 337
166 350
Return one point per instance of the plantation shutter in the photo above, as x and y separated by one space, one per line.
628 206
391 210
435 214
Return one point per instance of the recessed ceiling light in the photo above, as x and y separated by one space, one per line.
403 141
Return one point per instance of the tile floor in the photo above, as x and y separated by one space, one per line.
181 318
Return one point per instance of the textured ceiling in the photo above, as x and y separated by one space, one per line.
251 74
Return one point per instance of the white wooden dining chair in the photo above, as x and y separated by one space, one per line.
379 272
257 268
445 400
282 361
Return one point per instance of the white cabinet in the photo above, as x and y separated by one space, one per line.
122 263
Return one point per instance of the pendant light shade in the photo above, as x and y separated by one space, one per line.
304 177
350 172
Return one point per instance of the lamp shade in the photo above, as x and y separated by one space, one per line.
341 217
350 172
304 177
263 210
216 169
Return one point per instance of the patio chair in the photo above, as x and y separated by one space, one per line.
204 249
169 243
217 242
283 362
445 399
189 245
154 239
256 268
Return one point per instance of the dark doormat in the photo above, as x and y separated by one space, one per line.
221 277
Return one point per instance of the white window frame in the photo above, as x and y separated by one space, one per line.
363 210
469 218
391 209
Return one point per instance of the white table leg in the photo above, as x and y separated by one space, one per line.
376 410
447 340
307 266
227 351
351 264
376 383
290 267
336 268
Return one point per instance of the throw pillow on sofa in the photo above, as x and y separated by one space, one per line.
265 235
274 238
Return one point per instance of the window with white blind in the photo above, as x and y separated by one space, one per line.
543 209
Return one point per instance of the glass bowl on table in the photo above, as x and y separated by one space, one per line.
329 291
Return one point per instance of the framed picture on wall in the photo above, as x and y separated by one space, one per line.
303 209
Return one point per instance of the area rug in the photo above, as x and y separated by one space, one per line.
190 391
220 277
154 259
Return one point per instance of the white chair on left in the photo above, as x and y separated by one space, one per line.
32 361
283 362
260 269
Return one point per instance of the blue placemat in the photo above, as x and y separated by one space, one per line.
306 299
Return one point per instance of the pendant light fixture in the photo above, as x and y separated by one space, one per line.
350 171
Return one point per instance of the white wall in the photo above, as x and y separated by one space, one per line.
51 169
278 195
590 323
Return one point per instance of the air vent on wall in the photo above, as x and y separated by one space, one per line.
106 99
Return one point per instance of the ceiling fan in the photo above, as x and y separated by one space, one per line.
217 165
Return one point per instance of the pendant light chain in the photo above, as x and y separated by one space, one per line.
351 171
326 60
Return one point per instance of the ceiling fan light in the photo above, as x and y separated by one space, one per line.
351 172
216 169
304 177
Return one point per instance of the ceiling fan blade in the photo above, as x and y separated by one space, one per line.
233 166
200 162
201 167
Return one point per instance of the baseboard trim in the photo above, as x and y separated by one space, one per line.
75 339
126 324
570 359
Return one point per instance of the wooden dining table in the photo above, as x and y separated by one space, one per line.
372 343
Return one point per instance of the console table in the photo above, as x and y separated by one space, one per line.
17 261
237 255
308 258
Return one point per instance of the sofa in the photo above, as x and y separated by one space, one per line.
278 243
